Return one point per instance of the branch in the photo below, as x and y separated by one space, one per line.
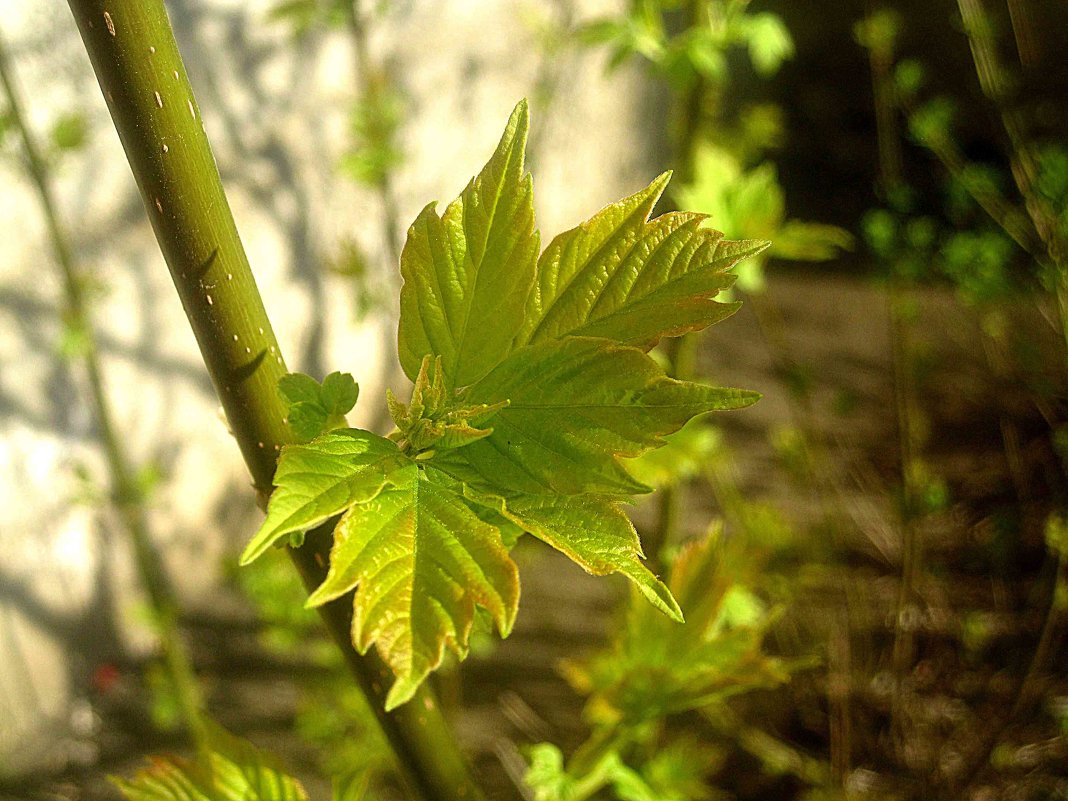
125 495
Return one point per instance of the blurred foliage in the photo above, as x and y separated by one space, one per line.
373 151
751 204
304 16
228 769
374 123
69 132
640 688
644 692
333 715
682 457
711 32
654 669
370 293
723 162
984 241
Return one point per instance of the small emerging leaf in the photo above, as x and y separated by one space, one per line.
321 479
339 393
433 420
298 388
312 408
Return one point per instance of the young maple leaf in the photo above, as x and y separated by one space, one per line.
532 382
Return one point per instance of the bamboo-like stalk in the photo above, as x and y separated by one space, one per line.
143 79
903 651
124 493
1023 156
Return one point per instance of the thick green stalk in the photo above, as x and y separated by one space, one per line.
124 493
144 81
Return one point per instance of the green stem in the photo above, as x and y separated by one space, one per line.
143 79
1002 213
994 80
890 161
690 114
124 492
682 357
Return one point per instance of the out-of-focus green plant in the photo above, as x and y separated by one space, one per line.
722 162
127 488
374 124
227 769
332 715
714 29
373 152
751 203
1005 218
651 674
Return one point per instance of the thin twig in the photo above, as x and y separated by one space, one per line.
125 495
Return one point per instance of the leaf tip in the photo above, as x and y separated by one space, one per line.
401 692
506 621
755 247
521 110
252 552
515 132
749 397
661 597
317 598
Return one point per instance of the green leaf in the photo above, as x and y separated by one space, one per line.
595 534
420 561
770 43
321 479
807 241
312 408
623 277
230 769
575 405
468 273
684 455
298 388
70 131
306 421
339 393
